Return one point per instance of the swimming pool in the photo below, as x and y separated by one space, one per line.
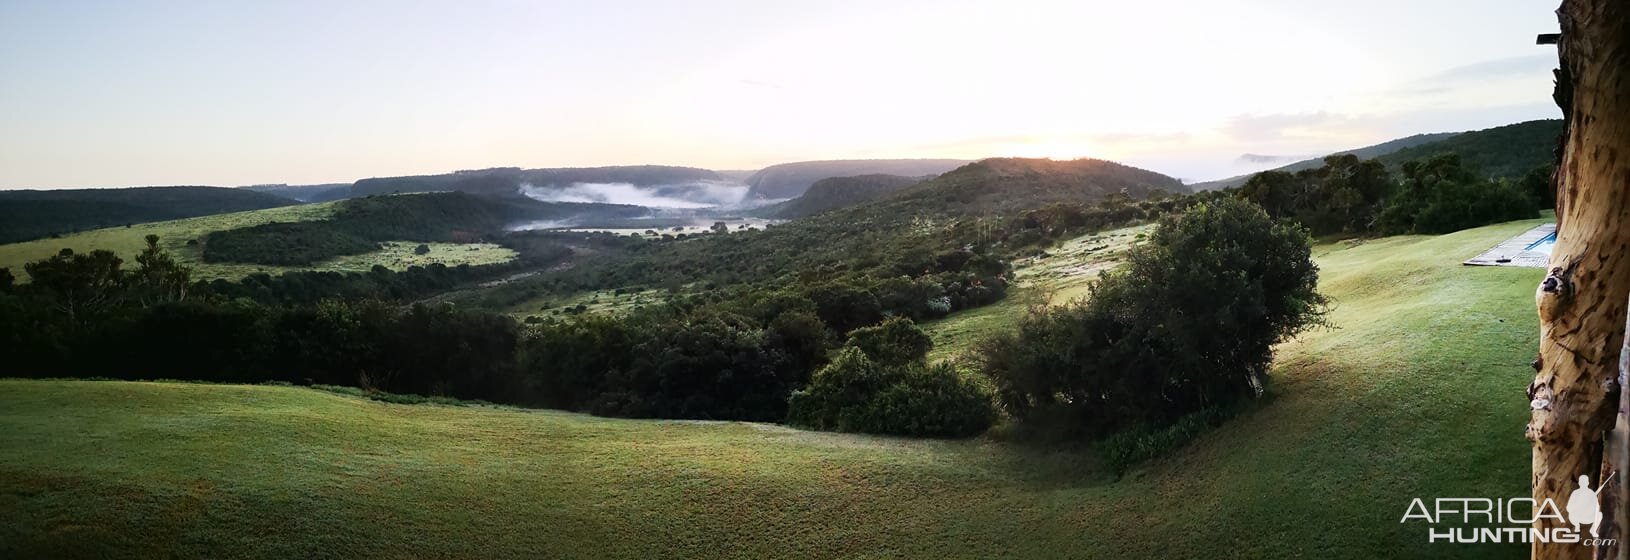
1543 245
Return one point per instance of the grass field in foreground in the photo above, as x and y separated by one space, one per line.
1417 393
174 235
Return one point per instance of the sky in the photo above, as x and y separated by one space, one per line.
301 92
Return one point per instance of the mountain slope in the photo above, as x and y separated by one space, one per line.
789 180
838 192
1501 152
1367 152
1001 185
33 214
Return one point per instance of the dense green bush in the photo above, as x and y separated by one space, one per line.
1189 322
856 394
1440 195
1342 196
880 383
896 341
284 244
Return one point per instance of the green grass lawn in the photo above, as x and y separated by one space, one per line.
1418 392
174 235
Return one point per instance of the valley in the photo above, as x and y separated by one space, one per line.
1408 369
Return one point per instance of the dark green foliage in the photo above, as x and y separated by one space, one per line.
668 364
844 306
895 342
359 224
1502 152
790 180
158 278
880 383
81 286
1537 183
1342 196
1126 448
1188 323
838 192
1353 197
6 279
284 244
31 214
1440 195
856 393
422 249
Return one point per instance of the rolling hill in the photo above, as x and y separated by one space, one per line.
1354 429
33 214
305 193
838 192
506 181
1004 185
1500 152
789 180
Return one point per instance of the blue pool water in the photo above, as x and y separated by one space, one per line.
1543 245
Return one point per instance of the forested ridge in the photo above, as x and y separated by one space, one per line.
33 214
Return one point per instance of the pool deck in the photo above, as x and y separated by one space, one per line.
1514 251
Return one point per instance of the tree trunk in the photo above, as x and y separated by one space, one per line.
1615 447
1582 303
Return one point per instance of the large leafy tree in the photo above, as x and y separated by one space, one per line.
1188 323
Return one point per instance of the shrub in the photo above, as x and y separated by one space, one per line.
1189 322
856 394
897 341
1440 195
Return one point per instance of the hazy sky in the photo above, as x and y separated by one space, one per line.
236 92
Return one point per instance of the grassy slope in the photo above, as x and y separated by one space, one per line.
174 234
1062 275
1418 393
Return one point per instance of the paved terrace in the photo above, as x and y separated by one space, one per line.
1515 252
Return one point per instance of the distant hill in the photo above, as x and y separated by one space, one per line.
789 180
1001 185
306 193
1501 152
838 192
506 181
358 225
1367 152
34 214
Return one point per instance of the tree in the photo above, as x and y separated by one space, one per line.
81 286
158 278
1144 347
422 249
1582 302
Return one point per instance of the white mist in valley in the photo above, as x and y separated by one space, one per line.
693 195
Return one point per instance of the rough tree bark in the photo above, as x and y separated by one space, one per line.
1582 302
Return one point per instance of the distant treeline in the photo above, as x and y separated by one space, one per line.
31 214
360 224
1359 197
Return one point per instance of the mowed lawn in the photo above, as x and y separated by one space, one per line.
1417 393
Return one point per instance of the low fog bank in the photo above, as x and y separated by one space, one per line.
692 195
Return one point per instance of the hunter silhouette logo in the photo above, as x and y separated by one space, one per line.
1583 508
1491 520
